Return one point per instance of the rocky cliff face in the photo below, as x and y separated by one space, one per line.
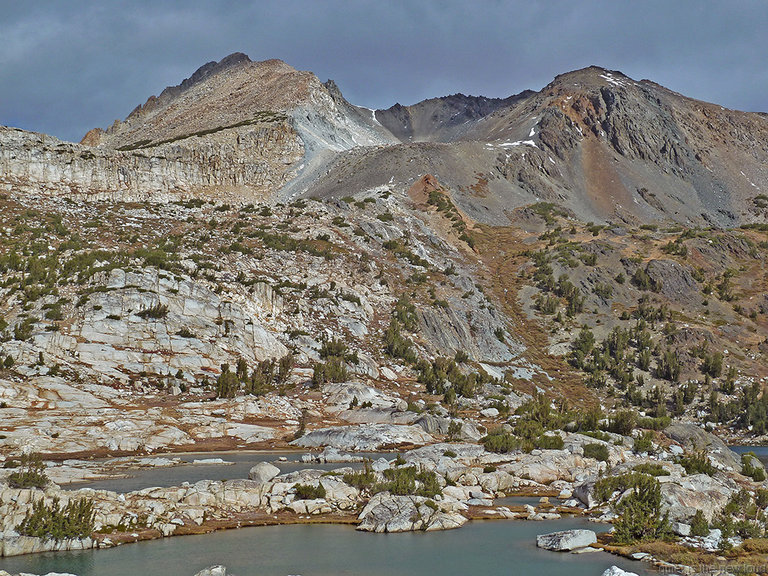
242 162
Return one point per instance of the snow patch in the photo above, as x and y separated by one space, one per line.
608 77
519 143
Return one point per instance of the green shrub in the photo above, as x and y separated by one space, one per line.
596 451
699 524
546 442
643 443
396 345
696 463
406 480
309 492
31 473
334 370
501 442
748 468
597 435
156 311
362 479
75 520
658 423
623 422
651 469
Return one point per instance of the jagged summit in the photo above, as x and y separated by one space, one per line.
209 69
218 94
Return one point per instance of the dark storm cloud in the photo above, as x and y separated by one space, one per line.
66 67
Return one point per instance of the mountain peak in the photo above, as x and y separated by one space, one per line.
206 70
230 91
591 76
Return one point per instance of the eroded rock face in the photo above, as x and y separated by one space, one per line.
566 540
246 162
213 571
693 439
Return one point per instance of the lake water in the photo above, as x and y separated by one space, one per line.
242 462
488 548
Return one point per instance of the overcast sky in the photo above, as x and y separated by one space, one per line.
66 67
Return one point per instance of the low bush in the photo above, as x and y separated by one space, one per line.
699 524
406 480
31 473
501 442
697 463
643 443
155 312
309 492
748 467
596 451
651 469
362 479
640 518
545 442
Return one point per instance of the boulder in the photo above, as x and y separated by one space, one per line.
213 571
566 540
681 528
696 492
263 472
389 513
616 571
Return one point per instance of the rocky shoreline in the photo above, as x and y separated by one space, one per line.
467 480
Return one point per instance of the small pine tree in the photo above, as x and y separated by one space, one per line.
639 514
699 524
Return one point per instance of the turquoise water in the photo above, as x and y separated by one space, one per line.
489 548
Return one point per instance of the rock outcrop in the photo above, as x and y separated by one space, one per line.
364 437
567 540
388 513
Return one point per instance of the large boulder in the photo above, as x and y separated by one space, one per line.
341 395
616 571
389 513
566 540
693 438
263 472
682 498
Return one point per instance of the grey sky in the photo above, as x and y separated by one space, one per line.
66 67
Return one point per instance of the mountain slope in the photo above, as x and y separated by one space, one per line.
599 144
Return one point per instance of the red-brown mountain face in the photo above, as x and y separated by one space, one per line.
593 141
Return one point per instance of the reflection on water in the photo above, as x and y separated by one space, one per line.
490 548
